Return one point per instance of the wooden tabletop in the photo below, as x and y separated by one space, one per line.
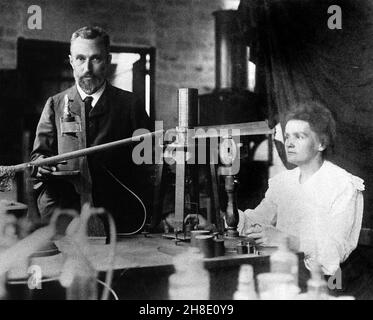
131 252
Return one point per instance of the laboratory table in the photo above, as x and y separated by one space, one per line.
142 267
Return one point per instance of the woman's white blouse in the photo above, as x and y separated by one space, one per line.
325 212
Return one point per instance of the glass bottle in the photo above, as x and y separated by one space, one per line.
246 284
282 282
317 287
191 279
80 279
284 260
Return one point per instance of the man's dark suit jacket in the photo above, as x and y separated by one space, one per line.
116 115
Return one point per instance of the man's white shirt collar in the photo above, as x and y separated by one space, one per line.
95 95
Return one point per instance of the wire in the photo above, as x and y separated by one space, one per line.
26 281
13 282
108 288
136 196
87 212
113 242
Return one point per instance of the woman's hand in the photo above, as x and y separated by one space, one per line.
270 236
264 234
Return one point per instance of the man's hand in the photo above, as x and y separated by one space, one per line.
264 234
45 171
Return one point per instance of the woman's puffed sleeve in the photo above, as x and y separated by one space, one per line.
264 213
338 231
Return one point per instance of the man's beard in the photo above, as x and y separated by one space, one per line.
90 85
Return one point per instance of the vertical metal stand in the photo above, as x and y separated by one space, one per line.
76 171
185 151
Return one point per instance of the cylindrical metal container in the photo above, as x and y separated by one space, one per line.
187 107
231 54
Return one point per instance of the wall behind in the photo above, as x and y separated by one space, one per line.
182 31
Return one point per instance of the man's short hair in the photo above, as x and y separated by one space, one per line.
92 33
319 118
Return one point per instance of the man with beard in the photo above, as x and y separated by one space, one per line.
110 114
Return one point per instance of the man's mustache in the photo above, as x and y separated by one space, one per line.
88 75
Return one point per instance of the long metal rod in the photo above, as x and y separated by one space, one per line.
235 129
82 152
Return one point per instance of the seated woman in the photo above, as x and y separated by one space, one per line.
318 205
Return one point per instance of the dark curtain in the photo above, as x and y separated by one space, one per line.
301 58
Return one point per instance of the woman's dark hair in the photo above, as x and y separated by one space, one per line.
319 118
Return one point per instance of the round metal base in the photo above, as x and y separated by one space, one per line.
234 244
50 249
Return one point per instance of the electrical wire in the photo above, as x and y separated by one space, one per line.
113 242
109 289
136 196
87 213
12 282
16 282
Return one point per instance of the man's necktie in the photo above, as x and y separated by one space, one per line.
87 109
88 104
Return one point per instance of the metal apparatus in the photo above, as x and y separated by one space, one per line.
7 172
187 110
69 140
224 143
79 178
229 155
230 51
